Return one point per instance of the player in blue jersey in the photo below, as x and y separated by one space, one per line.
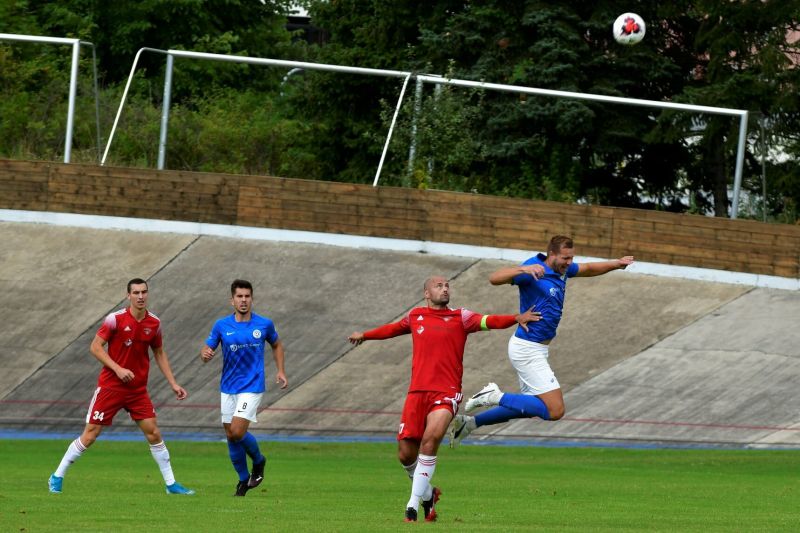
542 284
243 336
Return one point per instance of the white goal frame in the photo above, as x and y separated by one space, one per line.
424 78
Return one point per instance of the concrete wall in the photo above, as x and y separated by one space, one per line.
260 201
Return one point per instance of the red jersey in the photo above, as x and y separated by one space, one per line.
129 342
439 337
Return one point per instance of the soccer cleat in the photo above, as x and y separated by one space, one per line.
427 505
460 427
257 476
488 396
411 514
177 488
241 488
54 484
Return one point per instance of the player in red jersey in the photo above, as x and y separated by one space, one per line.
438 334
130 334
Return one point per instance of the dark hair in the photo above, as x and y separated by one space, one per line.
241 284
136 281
558 242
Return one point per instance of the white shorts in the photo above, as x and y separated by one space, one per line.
242 405
529 359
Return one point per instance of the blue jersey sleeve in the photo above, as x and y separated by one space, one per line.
271 333
215 337
572 270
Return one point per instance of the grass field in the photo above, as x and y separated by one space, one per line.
360 487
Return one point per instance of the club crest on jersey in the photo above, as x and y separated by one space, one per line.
147 331
553 292
128 342
420 330
257 334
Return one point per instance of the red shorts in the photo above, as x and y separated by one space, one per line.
417 407
106 402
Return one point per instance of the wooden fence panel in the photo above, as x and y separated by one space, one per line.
443 216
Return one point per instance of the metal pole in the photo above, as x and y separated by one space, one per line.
761 122
437 95
412 149
289 64
162 140
73 85
391 129
620 100
289 75
122 102
73 90
737 180
96 98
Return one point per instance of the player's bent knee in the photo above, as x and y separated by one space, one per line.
406 457
557 412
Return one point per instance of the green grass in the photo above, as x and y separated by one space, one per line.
116 487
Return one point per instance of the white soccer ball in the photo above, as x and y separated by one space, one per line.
628 29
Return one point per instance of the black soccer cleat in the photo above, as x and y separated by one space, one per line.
241 488
257 476
428 505
411 515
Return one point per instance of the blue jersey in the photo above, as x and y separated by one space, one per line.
243 345
546 295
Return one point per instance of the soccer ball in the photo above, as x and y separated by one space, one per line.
628 28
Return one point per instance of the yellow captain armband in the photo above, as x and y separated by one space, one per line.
484 326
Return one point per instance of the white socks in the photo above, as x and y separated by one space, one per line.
74 450
410 470
161 455
421 484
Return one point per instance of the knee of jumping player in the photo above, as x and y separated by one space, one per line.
556 411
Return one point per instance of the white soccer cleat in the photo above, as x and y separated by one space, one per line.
460 427
488 396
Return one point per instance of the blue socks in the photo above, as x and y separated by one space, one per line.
513 406
251 447
239 451
239 459
496 415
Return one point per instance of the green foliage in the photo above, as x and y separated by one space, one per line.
321 125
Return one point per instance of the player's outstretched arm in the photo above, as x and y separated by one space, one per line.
506 321
356 338
523 319
161 359
386 331
601 267
506 275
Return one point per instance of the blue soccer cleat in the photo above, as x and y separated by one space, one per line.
177 488
54 484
